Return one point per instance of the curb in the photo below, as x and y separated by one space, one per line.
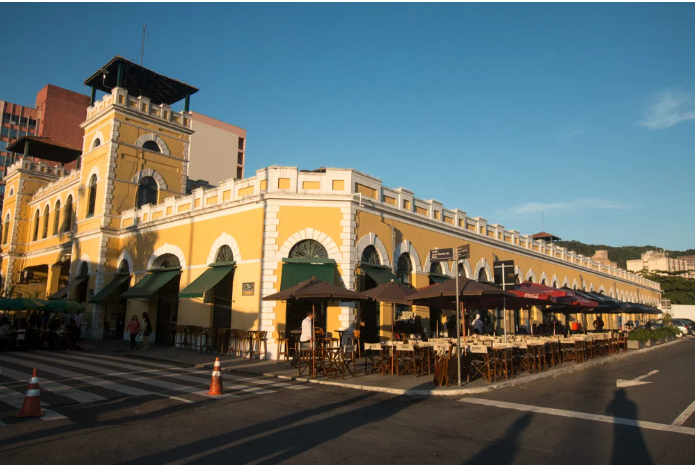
467 391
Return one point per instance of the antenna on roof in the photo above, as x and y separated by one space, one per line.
142 49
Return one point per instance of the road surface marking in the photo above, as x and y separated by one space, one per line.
181 399
183 377
82 397
250 380
93 380
623 383
581 415
683 417
108 372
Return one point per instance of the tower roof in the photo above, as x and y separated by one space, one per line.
545 236
45 148
140 82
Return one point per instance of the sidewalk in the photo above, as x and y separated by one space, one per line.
398 385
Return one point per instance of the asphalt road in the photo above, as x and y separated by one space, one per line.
118 410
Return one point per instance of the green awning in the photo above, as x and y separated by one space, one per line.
110 288
206 281
150 284
379 273
62 293
439 278
300 270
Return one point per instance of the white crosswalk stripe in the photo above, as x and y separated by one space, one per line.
183 377
226 375
108 384
64 390
127 376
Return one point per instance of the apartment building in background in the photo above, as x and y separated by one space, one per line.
57 115
657 261
220 150
601 256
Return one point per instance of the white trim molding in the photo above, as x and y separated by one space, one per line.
161 183
311 233
224 239
167 249
372 239
404 247
156 139
125 255
483 264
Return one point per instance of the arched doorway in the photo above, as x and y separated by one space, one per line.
222 292
370 316
83 287
304 252
167 301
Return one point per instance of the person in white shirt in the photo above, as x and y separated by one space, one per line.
307 336
78 321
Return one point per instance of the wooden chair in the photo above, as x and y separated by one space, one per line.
355 340
373 358
261 343
305 362
405 354
481 363
622 342
423 361
221 343
283 346
504 365
347 359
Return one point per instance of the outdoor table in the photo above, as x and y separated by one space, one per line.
340 335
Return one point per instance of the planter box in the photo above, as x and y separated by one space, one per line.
649 344
633 345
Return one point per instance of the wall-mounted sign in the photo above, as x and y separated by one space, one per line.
247 288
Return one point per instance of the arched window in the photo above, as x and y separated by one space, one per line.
147 192
11 192
224 254
96 143
167 260
482 275
92 195
151 145
46 213
6 231
124 267
404 268
67 221
436 268
370 255
56 218
84 269
36 225
308 248
462 271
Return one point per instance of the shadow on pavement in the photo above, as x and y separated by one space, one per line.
628 444
280 439
503 450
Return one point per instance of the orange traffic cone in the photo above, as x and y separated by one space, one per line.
32 401
216 382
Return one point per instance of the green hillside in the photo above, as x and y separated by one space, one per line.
618 254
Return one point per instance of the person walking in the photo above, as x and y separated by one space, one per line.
305 338
133 329
146 329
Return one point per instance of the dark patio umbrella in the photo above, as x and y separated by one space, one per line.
393 293
470 293
316 291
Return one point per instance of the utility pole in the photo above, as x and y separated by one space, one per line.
142 49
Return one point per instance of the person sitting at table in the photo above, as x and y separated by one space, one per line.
478 325
489 326
522 330
598 324
7 335
305 339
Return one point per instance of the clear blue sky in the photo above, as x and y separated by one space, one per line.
583 111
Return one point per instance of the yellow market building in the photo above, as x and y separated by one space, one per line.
120 233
